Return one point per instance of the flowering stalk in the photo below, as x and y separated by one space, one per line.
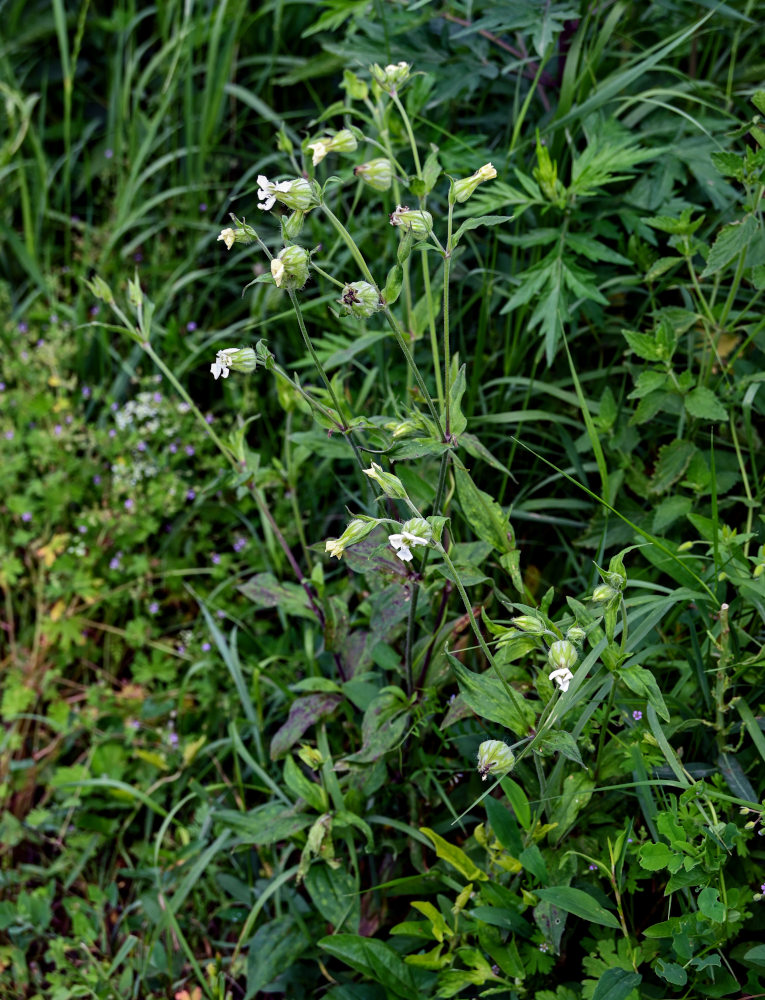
447 346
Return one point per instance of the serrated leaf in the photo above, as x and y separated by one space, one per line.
661 266
669 510
730 242
672 463
703 404
580 903
643 344
729 164
648 381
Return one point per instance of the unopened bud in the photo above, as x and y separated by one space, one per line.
420 223
527 623
376 173
100 289
463 188
391 485
391 77
360 299
603 593
311 757
357 530
576 634
290 267
494 757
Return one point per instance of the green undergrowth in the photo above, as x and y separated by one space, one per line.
381 556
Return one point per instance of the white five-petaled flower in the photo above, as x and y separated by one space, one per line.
401 544
562 677
222 362
320 148
266 190
228 236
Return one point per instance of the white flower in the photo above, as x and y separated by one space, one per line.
266 189
223 362
320 148
402 542
277 270
562 677
228 237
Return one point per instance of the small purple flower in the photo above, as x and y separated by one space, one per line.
629 840
9 435
22 327
220 614
58 429
96 480
239 544
40 343
26 516
2 386
83 529
189 449
157 397
95 310
762 887
138 256
129 503
637 715
25 355
190 495
134 724
172 447
209 418
112 433
206 647
141 446
191 326
114 407
215 558
114 562
173 739
108 153
593 868
202 207
153 608
86 393
69 419
181 648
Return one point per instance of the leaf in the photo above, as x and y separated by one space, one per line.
517 798
302 786
711 905
559 741
304 713
644 345
438 924
504 826
374 959
655 857
455 857
274 949
488 698
703 404
266 591
482 513
482 220
669 510
334 893
264 825
457 420
671 972
580 903
616 984
731 241
672 463
385 722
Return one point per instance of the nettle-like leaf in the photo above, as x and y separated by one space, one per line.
731 241
704 404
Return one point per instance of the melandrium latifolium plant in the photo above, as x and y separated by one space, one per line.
553 696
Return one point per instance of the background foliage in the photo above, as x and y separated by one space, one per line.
210 782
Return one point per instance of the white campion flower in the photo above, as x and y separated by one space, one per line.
228 236
320 148
562 677
220 367
401 544
266 189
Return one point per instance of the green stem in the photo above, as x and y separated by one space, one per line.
433 334
408 126
447 343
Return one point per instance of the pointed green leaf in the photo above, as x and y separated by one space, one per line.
455 857
580 903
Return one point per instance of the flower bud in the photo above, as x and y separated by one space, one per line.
344 141
292 225
357 530
420 223
376 173
356 89
603 593
360 299
494 757
527 623
290 267
576 634
296 194
463 188
100 289
311 756
391 485
231 236
391 77
562 655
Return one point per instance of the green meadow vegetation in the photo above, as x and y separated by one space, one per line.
382 556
